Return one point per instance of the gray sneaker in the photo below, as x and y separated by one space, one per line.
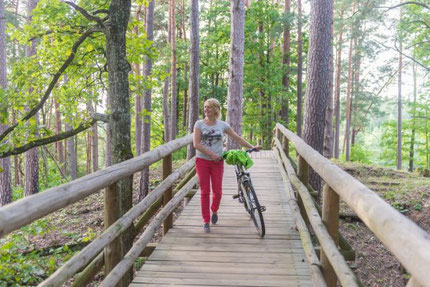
214 218
206 227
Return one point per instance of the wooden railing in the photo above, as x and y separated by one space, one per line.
407 241
29 209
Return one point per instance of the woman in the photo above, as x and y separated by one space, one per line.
208 141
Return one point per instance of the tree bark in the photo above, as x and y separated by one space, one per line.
194 72
412 146
328 128
235 75
185 102
147 105
5 178
317 78
88 150
286 66
31 156
299 68
93 139
173 103
108 134
71 155
138 106
166 112
119 195
399 104
59 144
348 94
337 88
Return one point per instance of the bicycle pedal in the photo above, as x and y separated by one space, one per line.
262 208
235 196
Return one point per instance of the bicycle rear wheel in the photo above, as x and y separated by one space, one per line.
254 209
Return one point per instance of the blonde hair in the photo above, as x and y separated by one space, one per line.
213 103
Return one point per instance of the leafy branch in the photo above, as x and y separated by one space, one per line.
408 3
85 13
44 141
54 80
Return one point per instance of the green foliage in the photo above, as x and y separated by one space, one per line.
263 71
420 123
360 154
414 31
20 264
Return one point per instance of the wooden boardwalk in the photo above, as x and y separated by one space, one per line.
232 254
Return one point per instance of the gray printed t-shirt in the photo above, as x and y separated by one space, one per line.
212 137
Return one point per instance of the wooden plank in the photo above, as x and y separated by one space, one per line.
211 279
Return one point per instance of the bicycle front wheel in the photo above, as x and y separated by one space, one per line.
254 209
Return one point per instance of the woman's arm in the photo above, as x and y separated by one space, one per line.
239 139
198 146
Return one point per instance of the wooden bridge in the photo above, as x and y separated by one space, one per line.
232 254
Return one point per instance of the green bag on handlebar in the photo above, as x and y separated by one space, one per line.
234 157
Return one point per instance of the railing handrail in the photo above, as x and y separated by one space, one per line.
81 259
31 208
395 230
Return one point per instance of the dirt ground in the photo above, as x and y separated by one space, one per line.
409 193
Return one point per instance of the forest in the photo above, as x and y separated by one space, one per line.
76 96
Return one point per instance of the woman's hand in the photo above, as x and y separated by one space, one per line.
216 157
257 147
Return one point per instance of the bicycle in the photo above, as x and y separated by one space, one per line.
246 195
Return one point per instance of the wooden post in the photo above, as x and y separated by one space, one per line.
167 170
303 175
330 217
112 252
276 133
285 145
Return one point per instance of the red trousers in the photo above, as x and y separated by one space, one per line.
209 172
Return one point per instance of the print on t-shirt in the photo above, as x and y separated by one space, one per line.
211 137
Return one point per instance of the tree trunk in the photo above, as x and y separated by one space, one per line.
108 134
399 104
5 178
235 75
299 68
147 106
286 66
173 103
31 156
138 106
348 94
337 89
328 125
95 147
89 158
166 112
185 103
59 144
317 79
119 195
94 140
185 112
412 146
194 72
71 155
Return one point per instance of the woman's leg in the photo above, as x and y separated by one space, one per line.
203 172
217 172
